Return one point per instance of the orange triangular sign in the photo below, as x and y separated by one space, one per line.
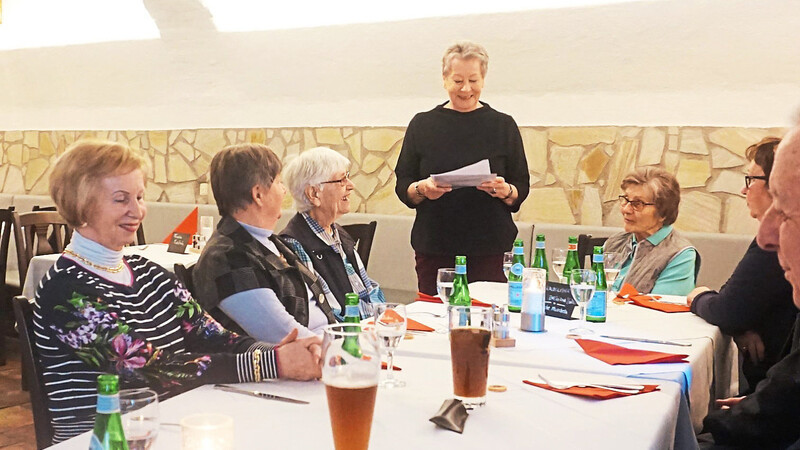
189 226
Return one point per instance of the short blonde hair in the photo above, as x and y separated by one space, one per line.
465 50
311 168
665 188
79 171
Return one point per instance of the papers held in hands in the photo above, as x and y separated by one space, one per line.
471 175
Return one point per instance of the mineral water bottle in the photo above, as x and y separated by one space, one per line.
572 257
460 295
108 433
515 277
351 315
596 309
540 256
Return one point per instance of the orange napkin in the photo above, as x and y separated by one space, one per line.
431 299
594 392
614 354
384 366
188 226
411 325
629 292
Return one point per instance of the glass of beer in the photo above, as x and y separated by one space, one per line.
351 366
470 331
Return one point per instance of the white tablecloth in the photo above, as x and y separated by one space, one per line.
154 252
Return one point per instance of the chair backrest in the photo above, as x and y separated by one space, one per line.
586 244
184 274
139 232
39 233
6 228
23 313
363 234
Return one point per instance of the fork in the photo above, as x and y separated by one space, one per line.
621 388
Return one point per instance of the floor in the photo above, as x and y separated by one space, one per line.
16 420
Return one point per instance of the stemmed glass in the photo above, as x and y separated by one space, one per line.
612 263
508 261
444 283
390 327
557 261
582 284
139 409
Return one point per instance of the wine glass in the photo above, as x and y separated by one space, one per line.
444 283
582 283
139 409
390 327
612 263
558 259
508 261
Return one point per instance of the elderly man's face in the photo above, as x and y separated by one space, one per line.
780 227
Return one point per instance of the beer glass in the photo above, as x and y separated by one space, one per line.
470 331
350 370
390 327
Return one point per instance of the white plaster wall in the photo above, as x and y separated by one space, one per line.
661 62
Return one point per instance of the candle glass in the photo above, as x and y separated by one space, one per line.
207 432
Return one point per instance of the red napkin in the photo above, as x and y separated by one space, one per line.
412 325
594 392
188 226
629 292
614 354
431 299
384 366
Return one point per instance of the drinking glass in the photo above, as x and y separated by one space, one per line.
207 431
350 370
139 410
558 260
390 327
612 263
470 333
582 283
444 283
508 261
206 226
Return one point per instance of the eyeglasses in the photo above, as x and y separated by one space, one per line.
637 205
748 179
342 181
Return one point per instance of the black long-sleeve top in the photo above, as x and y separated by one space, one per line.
755 298
465 221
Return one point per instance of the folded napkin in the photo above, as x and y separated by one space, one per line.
432 299
630 293
412 325
593 392
615 354
188 226
384 366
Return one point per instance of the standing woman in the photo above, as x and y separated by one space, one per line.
461 131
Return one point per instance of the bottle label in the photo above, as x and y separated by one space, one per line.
539 244
597 305
597 258
461 270
95 444
515 294
519 250
107 404
572 247
516 269
351 311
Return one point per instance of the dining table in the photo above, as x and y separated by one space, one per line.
522 415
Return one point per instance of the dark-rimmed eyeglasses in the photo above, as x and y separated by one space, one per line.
342 181
748 179
637 205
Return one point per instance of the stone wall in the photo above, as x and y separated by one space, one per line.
575 171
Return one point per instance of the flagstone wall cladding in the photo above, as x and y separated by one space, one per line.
575 171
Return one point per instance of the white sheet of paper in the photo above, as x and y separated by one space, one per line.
471 175
673 299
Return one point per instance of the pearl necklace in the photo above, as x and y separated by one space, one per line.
116 269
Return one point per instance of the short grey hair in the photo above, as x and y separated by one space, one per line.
465 50
311 168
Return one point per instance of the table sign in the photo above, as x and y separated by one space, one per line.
558 301
179 242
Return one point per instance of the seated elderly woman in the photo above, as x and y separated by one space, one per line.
657 259
247 277
755 305
318 179
98 311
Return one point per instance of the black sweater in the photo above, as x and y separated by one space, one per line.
465 221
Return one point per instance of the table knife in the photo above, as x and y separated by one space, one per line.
649 341
259 394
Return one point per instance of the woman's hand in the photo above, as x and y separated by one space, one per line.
298 359
725 403
499 188
427 189
751 345
695 292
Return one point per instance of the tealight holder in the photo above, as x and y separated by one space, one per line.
207 432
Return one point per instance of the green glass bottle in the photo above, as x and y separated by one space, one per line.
515 277
572 258
596 308
108 433
540 257
351 315
460 295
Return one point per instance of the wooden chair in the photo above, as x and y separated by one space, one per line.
23 312
184 275
9 287
39 233
586 244
363 234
